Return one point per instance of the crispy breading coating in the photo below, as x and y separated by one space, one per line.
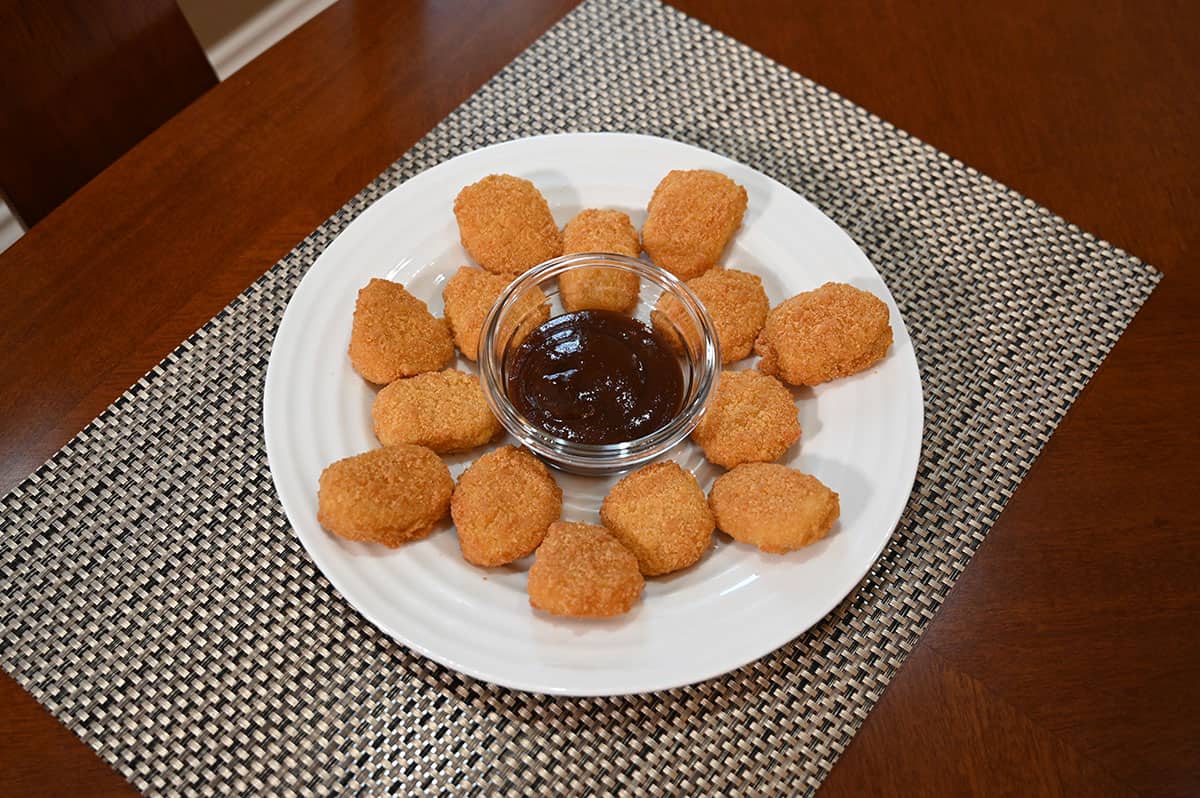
470 294
773 507
660 514
583 571
599 288
752 418
734 299
691 218
502 506
834 331
390 495
394 335
506 225
444 410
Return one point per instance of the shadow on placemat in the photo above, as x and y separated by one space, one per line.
153 597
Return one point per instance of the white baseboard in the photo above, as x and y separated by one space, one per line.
10 228
254 35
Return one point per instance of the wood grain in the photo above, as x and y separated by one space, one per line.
81 84
1063 662
960 734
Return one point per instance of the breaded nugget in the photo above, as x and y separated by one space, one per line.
751 419
773 507
394 335
389 496
690 220
660 514
444 410
470 294
594 230
506 225
502 506
582 571
834 331
735 300
600 288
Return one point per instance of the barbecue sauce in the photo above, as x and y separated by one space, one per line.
595 376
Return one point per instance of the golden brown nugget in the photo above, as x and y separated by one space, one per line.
582 571
735 300
752 418
470 294
467 297
690 220
394 335
444 410
599 288
660 514
389 496
834 331
776 508
502 506
506 225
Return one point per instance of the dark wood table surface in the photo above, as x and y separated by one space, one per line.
1066 659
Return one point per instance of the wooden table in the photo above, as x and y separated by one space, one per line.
1066 658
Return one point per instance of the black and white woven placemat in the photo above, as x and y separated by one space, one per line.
153 597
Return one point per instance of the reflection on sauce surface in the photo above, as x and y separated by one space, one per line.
595 376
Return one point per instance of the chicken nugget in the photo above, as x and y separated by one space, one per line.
389 496
502 506
751 419
776 508
834 331
660 514
582 571
735 300
470 294
394 335
506 225
444 410
690 220
600 288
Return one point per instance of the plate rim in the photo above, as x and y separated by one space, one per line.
776 641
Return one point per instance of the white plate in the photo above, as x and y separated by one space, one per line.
862 437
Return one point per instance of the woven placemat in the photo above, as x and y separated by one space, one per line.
154 598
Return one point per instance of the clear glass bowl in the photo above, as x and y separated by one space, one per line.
516 310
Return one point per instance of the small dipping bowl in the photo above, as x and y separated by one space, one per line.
514 316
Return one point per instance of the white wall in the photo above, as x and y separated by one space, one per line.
233 33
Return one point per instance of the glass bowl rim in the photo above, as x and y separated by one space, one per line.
573 455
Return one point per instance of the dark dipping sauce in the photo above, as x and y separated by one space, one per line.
595 376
